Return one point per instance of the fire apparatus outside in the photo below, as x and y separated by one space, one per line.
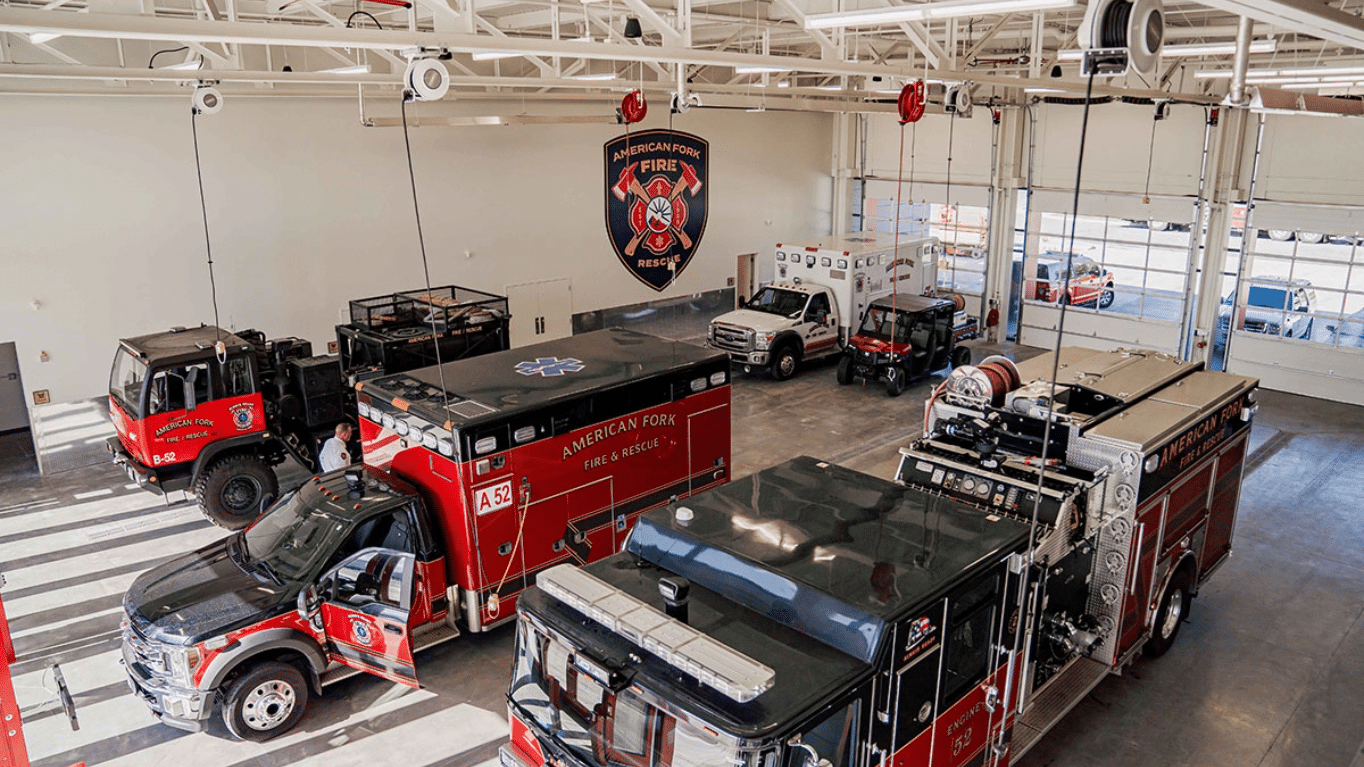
540 456
813 615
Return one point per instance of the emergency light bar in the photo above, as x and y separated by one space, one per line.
715 665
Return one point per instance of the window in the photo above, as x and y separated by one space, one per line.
237 377
1121 266
969 638
168 388
833 738
818 310
374 578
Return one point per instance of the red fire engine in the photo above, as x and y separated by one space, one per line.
478 475
1033 542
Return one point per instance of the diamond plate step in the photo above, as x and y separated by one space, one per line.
1061 694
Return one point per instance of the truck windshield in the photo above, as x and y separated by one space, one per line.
296 535
629 727
777 301
125 382
878 324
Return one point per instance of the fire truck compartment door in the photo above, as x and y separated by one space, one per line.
707 451
366 611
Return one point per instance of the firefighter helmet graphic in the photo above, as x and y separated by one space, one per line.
656 202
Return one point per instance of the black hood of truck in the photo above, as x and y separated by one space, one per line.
203 594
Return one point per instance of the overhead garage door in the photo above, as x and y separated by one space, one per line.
1296 319
1130 280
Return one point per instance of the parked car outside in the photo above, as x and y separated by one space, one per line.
1090 282
1348 331
1275 306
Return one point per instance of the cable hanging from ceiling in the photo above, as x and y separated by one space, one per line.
207 100
910 105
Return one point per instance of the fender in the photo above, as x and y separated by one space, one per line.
1187 556
254 645
788 336
246 442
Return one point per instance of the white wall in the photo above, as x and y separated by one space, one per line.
308 209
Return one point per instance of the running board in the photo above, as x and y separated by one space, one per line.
427 636
1061 694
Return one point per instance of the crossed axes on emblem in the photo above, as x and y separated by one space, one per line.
628 184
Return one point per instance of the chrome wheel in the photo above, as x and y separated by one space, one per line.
268 705
1174 612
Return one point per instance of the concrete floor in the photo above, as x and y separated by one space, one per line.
1267 673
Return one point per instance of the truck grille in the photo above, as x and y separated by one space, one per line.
145 654
733 339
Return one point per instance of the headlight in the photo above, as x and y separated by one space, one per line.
763 339
182 662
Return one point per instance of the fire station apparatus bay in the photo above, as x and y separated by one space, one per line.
1265 673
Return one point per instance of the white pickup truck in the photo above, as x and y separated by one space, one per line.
822 289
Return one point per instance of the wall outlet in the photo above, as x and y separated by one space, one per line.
41 397
331 347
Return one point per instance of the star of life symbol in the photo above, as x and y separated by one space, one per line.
549 366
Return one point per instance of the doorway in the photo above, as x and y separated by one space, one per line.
745 278
13 411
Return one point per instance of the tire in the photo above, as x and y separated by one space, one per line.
1281 235
784 362
961 357
265 701
895 381
231 490
1158 226
844 371
1106 297
1174 609
1311 237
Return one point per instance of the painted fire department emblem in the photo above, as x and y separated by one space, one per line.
656 201
548 366
362 631
243 415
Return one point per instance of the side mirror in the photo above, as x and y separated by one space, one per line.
310 606
742 302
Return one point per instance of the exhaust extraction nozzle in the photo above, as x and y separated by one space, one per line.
675 590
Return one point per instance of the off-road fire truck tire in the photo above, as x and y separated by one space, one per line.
1174 608
264 701
231 490
1106 297
784 362
895 380
844 371
961 357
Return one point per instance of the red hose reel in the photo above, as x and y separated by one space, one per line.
913 98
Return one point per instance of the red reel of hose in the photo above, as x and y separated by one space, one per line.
633 107
913 98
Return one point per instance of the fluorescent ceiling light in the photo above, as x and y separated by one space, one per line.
38 38
599 76
1219 49
1043 90
355 69
828 87
945 9
493 55
1223 74
759 70
196 64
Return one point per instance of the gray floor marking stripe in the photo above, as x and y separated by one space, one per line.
127 540
66 612
116 746
79 580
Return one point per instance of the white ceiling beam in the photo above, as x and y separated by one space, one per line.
545 68
671 37
995 30
826 46
331 19
612 34
1303 16
218 60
